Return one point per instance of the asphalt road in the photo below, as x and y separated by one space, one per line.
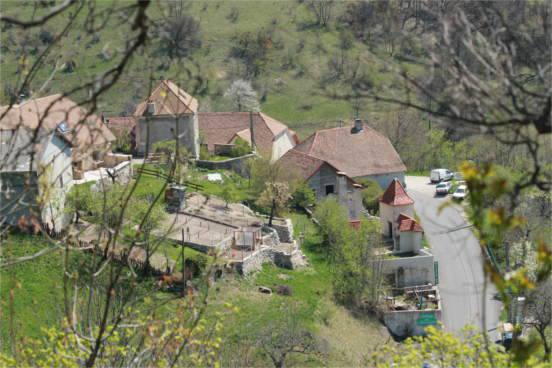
461 277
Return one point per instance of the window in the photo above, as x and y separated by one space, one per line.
330 189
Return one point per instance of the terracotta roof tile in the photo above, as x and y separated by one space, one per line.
48 112
300 164
168 99
407 223
395 195
121 124
222 128
358 154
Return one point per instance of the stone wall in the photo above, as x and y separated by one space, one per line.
163 127
114 159
122 172
266 254
410 322
284 228
417 270
236 164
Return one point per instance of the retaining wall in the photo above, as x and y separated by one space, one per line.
255 261
410 322
236 164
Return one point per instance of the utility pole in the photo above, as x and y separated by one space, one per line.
251 130
429 114
183 264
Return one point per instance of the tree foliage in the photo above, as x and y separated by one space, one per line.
371 193
303 196
242 96
444 349
357 275
179 32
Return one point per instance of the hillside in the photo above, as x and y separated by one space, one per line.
295 80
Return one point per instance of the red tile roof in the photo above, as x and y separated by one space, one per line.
223 127
48 112
168 99
121 124
300 164
395 195
407 223
362 153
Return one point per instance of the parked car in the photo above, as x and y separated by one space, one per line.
460 193
439 175
458 176
443 188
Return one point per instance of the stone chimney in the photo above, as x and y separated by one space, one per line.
358 126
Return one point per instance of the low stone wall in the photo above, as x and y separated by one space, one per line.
265 254
122 172
237 164
283 226
114 159
219 247
411 322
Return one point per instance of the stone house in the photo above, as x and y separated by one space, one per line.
357 150
269 137
168 113
89 137
35 177
324 179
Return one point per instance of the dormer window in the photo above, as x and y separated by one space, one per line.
62 127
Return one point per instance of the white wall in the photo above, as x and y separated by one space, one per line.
410 241
391 214
55 181
282 143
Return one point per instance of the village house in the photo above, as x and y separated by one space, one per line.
414 302
411 264
333 161
269 137
34 174
324 179
90 138
45 143
169 112
358 150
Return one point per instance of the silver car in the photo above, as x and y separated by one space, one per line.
443 188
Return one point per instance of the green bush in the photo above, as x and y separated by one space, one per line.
303 196
371 193
241 148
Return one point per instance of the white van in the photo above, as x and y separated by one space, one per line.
438 175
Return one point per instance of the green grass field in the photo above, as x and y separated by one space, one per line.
292 83
38 300
31 292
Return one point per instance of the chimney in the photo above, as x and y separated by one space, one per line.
358 125
150 109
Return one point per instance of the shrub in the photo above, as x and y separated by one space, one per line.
303 196
241 148
371 195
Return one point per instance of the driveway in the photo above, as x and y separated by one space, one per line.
461 277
